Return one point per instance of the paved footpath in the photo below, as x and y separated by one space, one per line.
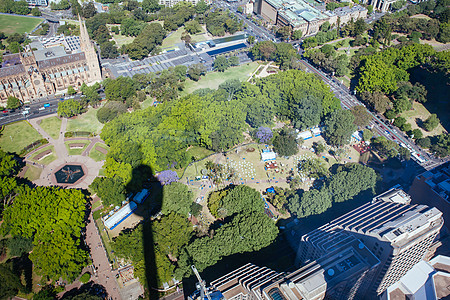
103 275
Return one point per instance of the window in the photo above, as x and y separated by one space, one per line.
275 294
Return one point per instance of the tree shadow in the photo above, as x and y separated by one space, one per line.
89 288
437 87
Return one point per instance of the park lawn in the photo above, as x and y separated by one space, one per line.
10 24
96 204
97 155
212 80
46 160
419 112
52 126
106 241
147 103
17 136
76 151
85 122
122 39
198 152
173 38
344 80
33 173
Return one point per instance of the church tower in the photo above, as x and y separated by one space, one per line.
89 51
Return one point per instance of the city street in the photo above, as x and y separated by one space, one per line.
379 123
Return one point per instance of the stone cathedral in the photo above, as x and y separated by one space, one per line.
33 74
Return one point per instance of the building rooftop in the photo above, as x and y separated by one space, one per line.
424 281
48 53
386 218
298 12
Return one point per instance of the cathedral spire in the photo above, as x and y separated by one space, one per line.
85 42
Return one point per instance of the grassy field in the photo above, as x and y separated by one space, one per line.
46 160
198 152
212 80
173 38
419 113
85 122
51 125
33 173
147 103
14 24
97 155
76 151
17 136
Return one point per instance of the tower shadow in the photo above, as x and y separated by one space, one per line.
142 177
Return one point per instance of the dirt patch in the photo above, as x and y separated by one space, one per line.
76 145
102 150
43 154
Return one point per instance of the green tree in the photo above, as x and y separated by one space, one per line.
313 168
13 103
192 27
19 245
245 233
56 229
110 110
284 33
171 233
285 143
424 142
110 190
176 198
69 108
431 122
367 135
120 89
404 153
297 34
417 133
311 202
150 5
376 100
91 94
251 39
196 70
221 63
350 180
399 122
233 61
71 90
36 12
11 283
201 7
339 127
361 115
239 199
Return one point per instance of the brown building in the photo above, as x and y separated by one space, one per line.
32 74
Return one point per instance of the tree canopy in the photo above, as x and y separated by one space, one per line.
53 218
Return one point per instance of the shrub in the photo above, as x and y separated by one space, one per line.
85 278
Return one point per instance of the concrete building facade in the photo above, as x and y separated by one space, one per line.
34 74
399 234
363 254
380 5
304 15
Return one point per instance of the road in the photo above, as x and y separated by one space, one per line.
36 109
379 124
259 32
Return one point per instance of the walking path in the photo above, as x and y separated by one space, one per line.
103 274
90 166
